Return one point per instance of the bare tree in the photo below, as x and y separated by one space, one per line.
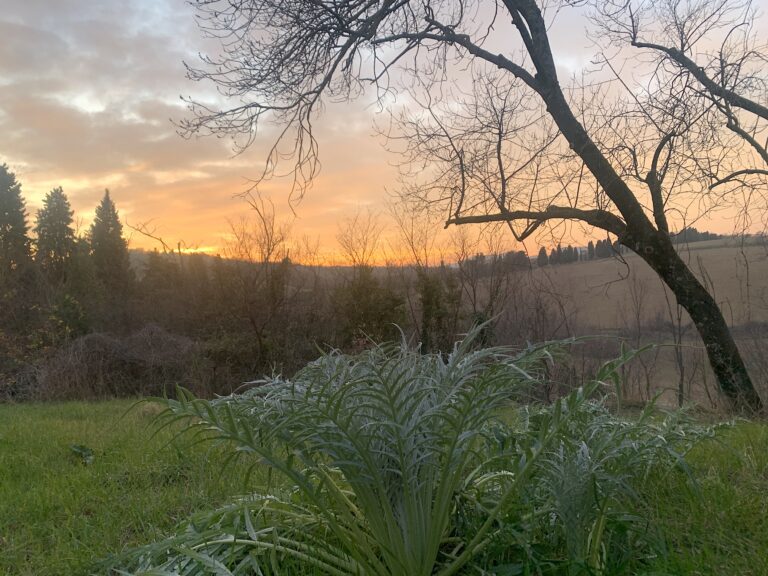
359 238
259 272
662 128
484 276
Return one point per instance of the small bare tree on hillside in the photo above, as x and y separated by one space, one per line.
259 270
358 237
483 274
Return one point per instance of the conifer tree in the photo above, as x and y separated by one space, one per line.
553 257
55 236
542 259
110 250
17 297
603 249
14 238
82 283
591 250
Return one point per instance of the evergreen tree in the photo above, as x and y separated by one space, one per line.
440 297
542 259
17 295
14 238
82 282
691 234
604 249
570 255
109 249
516 260
591 250
553 257
367 308
55 236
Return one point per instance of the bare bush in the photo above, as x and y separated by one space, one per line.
148 362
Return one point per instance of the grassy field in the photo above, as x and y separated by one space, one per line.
614 297
605 292
59 512
721 525
62 508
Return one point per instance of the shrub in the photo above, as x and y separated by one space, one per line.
398 463
103 365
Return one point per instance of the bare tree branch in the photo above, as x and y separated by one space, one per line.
700 74
598 218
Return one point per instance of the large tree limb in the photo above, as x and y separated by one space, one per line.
733 126
501 61
598 218
547 86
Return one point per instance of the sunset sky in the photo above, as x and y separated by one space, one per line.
88 90
87 93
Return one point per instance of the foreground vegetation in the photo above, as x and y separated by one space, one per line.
389 462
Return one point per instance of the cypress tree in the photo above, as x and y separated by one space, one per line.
600 250
55 236
109 249
15 251
542 259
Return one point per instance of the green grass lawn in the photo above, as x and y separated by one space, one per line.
58 514
721 527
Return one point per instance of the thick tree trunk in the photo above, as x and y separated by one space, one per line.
641 236
658 251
